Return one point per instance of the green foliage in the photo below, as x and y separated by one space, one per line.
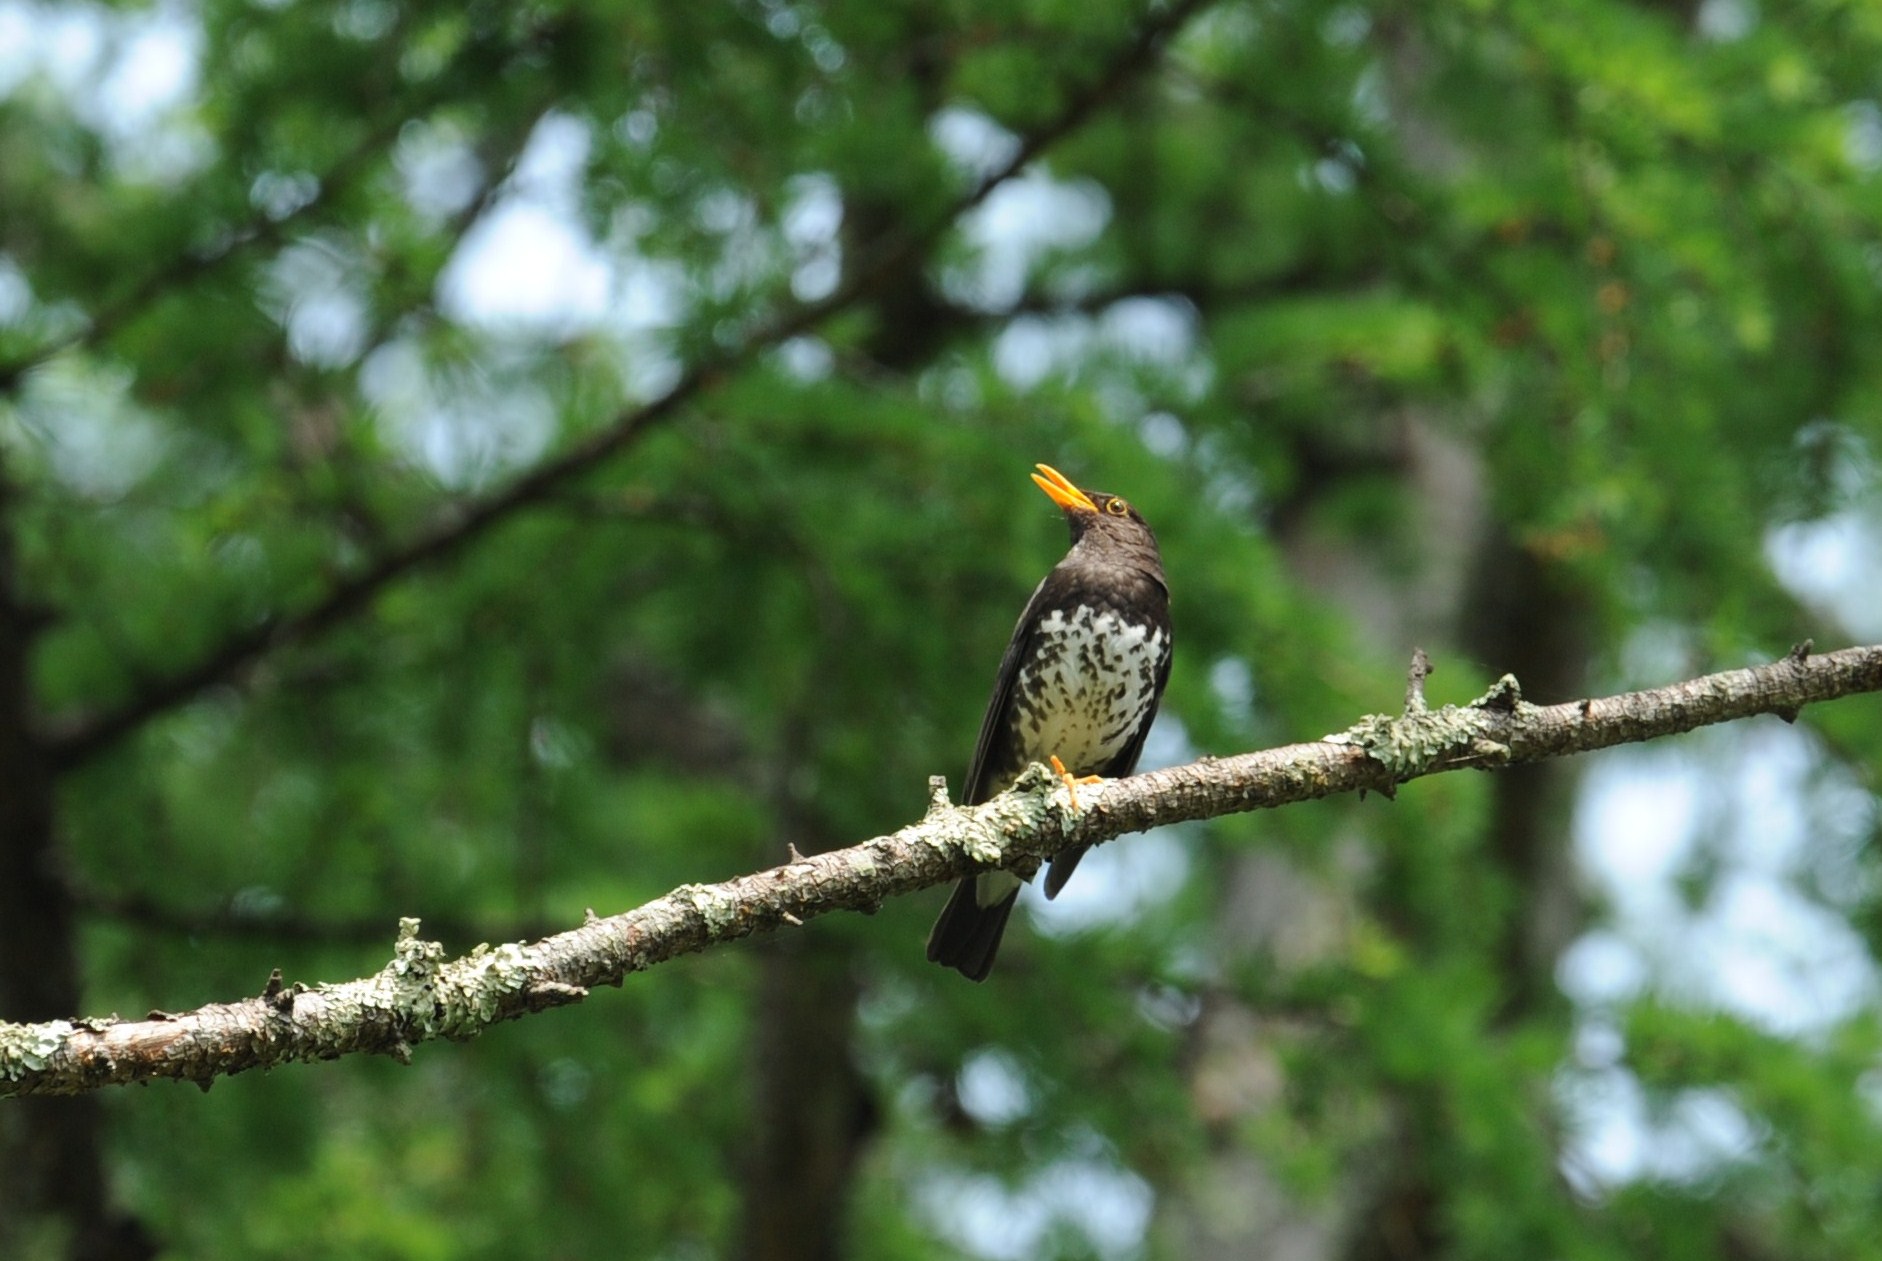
1370 296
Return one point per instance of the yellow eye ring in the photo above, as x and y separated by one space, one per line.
1116 507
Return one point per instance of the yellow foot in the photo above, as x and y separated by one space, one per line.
1073 781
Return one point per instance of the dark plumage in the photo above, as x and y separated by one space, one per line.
1080 681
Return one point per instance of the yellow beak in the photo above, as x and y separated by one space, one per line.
1062 492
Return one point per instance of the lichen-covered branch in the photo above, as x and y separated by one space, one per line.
420 995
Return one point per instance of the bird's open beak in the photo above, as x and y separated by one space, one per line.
1060 488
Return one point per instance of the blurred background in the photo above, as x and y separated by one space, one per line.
339 582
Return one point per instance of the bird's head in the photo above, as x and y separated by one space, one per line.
1087 510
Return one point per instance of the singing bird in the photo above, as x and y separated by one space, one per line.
1079 683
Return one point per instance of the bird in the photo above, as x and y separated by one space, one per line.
1079 687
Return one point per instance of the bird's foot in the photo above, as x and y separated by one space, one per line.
1073 781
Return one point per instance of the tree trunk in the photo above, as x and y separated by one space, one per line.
812 1113
53 1198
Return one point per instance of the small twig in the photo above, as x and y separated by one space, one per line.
1421 669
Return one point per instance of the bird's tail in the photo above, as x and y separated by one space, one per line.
1061 866
967 935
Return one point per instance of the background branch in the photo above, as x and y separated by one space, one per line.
420 995
260 230
79 740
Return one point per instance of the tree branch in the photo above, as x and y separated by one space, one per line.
80 740
260 230
228 921
420 995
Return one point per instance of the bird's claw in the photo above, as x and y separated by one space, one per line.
1072 781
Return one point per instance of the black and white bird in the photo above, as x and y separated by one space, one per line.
1079 683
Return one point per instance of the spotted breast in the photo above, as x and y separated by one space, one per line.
1091 681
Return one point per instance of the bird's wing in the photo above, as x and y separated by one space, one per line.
986 765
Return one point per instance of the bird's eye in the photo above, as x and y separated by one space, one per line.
1116 507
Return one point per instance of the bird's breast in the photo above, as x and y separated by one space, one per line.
1089 685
